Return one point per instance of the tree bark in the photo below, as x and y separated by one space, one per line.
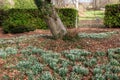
55 25
52 19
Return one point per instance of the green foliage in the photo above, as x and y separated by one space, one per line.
71 57
51 59
46 76
68 16
112 15
24 20
53 65
97 71
37 68
24 65
11 50
116 69
48 59
76 55
65 63
2 13
99 77
38 64
19 20
110 76
114 62
26 52
91 62
96 35
8 51
3 54
74 76
25 4
63 71
77 52
82 58
30 67
100 53
114 57
38 51
81 70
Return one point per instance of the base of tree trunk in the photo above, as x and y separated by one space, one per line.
55 25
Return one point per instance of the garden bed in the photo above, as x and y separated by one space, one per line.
37 56
32 63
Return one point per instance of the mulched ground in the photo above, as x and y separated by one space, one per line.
59 45
92 45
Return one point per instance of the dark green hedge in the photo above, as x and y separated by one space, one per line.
112 15
2 13
22 20
68 16
30 19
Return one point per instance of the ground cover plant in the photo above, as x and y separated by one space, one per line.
83 54
30 57
34 63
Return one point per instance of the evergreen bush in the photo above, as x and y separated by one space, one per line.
112 15
24 20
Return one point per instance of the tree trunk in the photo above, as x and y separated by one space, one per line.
51 18
55 25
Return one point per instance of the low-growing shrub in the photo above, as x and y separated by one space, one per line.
8 51
46 76
112 15
78 52
110 76
53 65
63 71
114 53
65 64
22 65
116 69
90 62
97 71
37 68
99 77
71 57
81 70
114 62
26 52
3 54
100 53
96 35
38 64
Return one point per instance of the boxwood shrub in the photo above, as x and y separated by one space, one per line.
68 16
112 15
22 20
2 13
